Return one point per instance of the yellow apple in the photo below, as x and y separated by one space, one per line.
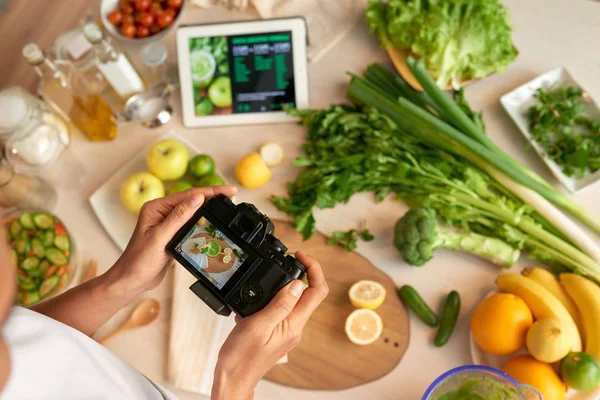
140 188
168 159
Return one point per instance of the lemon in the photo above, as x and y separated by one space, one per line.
367 294
364 326
252 172
272 153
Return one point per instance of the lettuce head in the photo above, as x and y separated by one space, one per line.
458 39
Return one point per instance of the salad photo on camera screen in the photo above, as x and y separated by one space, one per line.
213 254
242 74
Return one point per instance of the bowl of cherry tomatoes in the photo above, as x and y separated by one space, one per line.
140 20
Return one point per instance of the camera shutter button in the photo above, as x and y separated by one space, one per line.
252 293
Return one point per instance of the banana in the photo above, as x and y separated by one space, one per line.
551 283
586 295
541 302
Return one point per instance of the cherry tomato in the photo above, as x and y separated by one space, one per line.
171 12
154 29
142 31
142 5
115 17
165 19
147 19
127 10
123 3
128 30
175 3
128 19
156 9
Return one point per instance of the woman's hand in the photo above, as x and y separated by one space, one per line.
144 263
259 341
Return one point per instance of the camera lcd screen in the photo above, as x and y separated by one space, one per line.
237 74
213 254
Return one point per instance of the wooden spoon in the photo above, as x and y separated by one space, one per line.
145 313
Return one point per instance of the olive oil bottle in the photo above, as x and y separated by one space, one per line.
84 109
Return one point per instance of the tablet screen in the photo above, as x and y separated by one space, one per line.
244 73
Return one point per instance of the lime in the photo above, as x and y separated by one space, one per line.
201 165
212 249
580 371
204 106
211 180
180 187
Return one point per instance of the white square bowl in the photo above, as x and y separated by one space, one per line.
516 104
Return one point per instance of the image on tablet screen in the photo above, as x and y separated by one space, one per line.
238 74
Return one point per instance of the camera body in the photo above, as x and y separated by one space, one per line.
240 265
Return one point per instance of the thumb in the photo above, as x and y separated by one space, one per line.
180 214
282 304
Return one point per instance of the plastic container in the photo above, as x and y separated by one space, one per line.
45 273
478 382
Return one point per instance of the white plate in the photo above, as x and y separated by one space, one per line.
480 357
516 104
106 201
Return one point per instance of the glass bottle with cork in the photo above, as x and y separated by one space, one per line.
86 110
114 65
74 48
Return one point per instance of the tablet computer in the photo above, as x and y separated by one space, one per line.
242 72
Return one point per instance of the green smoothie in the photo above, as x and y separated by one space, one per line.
476 388
203 68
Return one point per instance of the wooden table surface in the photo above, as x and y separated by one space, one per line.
548 34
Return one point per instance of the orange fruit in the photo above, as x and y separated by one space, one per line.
529 371
500 322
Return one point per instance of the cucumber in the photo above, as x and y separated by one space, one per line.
14 257
21 245
44 265
48 238
62 242
449 317
49 285
15 229
415 302
36 273
43 220
26 283
26 221
30 298
55 256
30 263
37 247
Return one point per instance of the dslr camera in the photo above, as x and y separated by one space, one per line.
232 251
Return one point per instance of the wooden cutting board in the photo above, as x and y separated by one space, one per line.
325 358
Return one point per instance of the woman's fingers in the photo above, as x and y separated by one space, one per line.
155 211
281 306
316 292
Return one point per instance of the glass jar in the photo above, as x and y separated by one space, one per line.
19 190
36 140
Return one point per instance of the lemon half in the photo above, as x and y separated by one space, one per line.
364 326
367 294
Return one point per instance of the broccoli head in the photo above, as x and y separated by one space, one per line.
417 235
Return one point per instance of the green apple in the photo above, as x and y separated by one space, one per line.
180 187
204 106
167 159
219 92
140 188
